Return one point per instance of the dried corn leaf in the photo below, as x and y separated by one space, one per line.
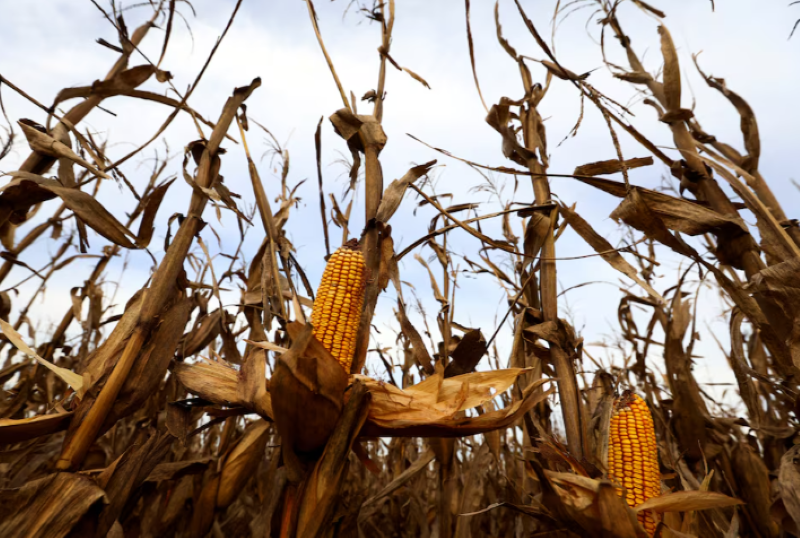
789 483
47 508
611 166
748 123
122 83
467 354
781 282
679 215
606 251
178 469
393 195
418 349
78 383
241 462
88 209
15 431
44 144
672 71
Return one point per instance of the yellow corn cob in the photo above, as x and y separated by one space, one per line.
633 455
337 306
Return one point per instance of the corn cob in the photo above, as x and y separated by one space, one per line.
337 306
633 455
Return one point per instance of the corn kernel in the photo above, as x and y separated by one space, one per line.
633 455
337 306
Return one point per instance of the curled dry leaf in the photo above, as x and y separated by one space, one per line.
467 354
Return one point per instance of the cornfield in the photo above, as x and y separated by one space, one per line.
248 385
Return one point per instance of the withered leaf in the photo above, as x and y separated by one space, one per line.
748 123
78 383
45 144
152 204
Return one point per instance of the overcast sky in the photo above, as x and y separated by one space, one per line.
48 45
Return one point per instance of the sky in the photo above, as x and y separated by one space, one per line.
50 44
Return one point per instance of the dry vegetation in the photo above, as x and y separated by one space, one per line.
161 421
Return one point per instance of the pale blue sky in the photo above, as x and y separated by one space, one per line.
50 44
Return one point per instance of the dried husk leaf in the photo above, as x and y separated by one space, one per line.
307 392
405 418
212 381
685 501
322 488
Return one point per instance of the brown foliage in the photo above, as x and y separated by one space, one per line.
184 420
